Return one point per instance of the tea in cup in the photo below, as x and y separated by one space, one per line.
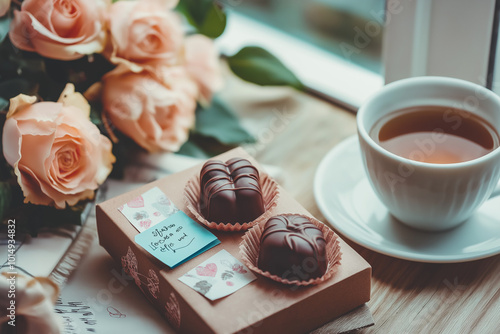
430 147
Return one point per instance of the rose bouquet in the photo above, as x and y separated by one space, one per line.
81 81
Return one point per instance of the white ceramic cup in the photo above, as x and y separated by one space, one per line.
430 196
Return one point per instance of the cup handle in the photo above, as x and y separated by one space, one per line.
496 191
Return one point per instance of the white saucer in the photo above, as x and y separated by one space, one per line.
345 197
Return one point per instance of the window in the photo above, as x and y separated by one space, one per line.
331 25
333 46
347 49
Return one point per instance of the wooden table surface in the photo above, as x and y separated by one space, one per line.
407 297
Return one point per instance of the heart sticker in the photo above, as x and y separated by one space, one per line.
209 270
145 223
137 202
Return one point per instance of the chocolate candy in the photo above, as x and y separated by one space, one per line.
293 248
230 192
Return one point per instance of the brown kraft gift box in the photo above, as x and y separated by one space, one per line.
263 306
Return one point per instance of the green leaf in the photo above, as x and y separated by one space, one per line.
258 66
4 27
206 16
5 198
214 23
219 122
192 149
217 130
203 147
3 104
95 113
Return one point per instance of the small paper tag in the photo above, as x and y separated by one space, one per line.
176 239
219 276
148 209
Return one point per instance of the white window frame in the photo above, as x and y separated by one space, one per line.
454 38
438 37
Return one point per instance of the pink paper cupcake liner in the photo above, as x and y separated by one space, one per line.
250 246
270 194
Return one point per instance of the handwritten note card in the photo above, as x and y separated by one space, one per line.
165 231
176 239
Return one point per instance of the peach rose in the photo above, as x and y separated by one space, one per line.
4 7
59 29
144 33
58 155
155 112
202 63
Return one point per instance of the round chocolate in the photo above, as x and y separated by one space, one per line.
230 192
293 248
